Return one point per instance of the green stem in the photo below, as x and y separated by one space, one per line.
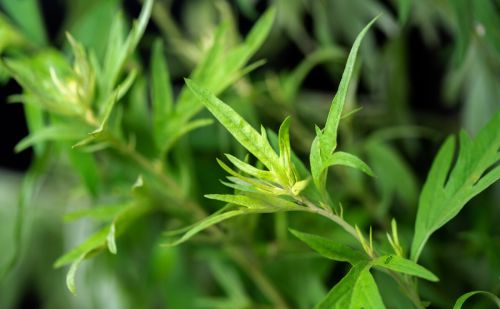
251 268
260 280
406 286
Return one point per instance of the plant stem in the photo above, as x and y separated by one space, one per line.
258 277
260 280
406 286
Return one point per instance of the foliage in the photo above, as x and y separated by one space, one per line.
123 149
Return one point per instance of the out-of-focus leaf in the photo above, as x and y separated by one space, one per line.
394 176
9 36
162 96
462 299
86 166
57 132
449 186
28 15
220 67
119 50
100 212
207 222
331 249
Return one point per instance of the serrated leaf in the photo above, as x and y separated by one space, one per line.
242 131
462 299
356 290
331 249
347 159
402 265
444 196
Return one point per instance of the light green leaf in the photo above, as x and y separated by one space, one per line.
402 265
117 94
221 66
462 299
57 132
94 242
356 290
285 150
161 93
70 276
347 159
249 169
110 239
444 196
255 201
331 249
244 133
205 223
101 212
118 50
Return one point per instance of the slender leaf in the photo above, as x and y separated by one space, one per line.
347 159
331 249
329 139
244 133
161 94
207 222
462 299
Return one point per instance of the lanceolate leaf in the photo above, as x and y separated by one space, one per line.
331 249
356 290
261 202
244 133
444 196
325 141
57 132
329 140
402 265
347 159
207 222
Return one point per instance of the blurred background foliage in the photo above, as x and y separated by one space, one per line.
428 68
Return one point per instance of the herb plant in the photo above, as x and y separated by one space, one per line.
130 136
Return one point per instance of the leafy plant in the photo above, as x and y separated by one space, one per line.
129 129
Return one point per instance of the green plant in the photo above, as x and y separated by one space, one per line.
130 136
